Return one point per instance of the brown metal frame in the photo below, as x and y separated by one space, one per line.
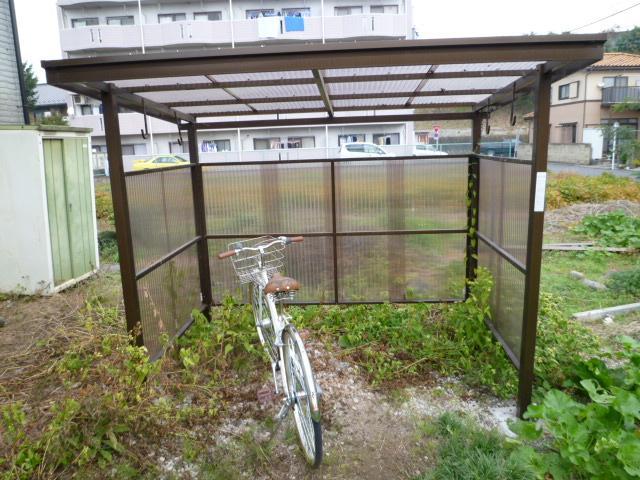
559 55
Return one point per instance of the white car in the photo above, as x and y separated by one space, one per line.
425 149
362 150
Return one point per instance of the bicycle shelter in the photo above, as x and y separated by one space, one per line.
384 229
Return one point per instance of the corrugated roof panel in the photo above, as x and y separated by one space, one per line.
287 105
372 87
276 91
370 102
449 99
247 77
187 95
487 67
350 72
214 109
495 83
161 81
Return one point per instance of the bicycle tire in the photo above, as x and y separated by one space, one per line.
306 411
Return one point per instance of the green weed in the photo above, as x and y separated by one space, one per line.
467 452
566 189
614 229
626 282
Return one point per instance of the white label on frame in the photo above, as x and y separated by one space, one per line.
541 189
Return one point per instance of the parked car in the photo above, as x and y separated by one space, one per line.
159 161
361 149
426 149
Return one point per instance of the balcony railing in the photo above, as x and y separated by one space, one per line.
220 32
613 95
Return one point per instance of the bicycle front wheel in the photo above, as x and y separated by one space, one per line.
302 391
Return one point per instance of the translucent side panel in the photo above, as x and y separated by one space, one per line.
248 200
504 205
401 267
507 297
168 295
401 194
161 213
310 262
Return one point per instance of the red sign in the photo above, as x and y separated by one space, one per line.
436 131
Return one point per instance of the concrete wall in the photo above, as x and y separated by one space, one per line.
577 153
10 95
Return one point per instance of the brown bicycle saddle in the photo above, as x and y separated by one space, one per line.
279 284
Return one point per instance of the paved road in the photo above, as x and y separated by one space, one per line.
589 171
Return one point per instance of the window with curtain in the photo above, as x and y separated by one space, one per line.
84 22
121 20
207 16
350 138
171 17
343 11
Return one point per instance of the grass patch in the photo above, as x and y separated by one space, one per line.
104 203
577 297
567 188
626 282
613 229
468 452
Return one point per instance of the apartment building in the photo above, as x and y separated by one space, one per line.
108 27
582 102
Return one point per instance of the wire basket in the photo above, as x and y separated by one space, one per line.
247 263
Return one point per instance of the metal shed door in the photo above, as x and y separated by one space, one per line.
69 204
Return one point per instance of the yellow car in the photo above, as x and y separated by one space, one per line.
159 161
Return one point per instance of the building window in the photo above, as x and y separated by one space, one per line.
384 9
261 12
568 132
568 90
215 146
171 17
86 109
84 22
342 11
175 147
128 149
386 138
296 12
207 16
615 81
273 143
350 138
123 20
301 142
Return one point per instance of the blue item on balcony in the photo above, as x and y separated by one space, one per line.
294 23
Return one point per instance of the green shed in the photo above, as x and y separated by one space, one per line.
48 238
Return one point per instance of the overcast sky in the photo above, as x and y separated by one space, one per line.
39 40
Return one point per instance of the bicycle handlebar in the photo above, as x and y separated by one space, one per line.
284 240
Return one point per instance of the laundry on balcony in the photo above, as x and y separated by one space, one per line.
294 23
269 27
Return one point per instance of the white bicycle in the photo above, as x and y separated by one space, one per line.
257 262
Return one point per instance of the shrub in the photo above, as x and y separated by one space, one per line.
566 189
104 203
613 229
595 434
626 281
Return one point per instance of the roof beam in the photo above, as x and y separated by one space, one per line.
327 80
282 58
323 91
421 85
355 96
293 122
228 92
281 111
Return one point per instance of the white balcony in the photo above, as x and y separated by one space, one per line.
203 33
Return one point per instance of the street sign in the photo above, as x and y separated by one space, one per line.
436 132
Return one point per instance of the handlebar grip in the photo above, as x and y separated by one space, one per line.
299 238
227 254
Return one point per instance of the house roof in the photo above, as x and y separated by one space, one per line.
617 61
50 95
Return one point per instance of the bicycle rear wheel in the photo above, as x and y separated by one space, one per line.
302 391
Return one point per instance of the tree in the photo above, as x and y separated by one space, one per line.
55 119
30 83
628 42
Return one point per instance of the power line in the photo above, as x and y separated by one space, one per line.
604 18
